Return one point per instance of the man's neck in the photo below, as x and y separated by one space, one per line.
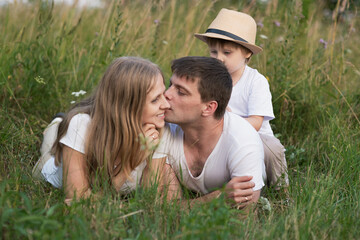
199 142
203 133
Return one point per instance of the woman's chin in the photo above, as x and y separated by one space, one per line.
160 125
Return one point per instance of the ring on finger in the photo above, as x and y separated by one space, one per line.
246 198
153 136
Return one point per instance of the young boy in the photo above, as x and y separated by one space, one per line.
231 39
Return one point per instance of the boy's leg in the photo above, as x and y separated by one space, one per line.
275 162
50 135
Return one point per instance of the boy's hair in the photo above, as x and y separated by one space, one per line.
214 80
218 41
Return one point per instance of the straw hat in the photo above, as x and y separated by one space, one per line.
233 26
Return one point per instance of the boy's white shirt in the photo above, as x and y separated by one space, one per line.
251 96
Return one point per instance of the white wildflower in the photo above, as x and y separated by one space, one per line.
76 94
263 36
265 204
39 79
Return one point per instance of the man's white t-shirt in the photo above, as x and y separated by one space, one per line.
75 139
251 96
239 152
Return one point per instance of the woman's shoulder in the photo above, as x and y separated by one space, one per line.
76 132
79 119
79 123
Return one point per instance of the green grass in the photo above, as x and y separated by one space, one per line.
48 52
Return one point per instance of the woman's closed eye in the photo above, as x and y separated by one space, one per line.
155 100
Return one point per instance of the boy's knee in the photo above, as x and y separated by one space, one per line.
275 161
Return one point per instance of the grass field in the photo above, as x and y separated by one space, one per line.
310 58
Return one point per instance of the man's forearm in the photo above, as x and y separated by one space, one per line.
216 194
206 198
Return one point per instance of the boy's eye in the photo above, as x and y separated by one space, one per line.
213 52
227 52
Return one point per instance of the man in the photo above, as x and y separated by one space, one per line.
207 147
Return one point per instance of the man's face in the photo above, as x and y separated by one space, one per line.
185 101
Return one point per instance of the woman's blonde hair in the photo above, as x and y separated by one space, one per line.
112 144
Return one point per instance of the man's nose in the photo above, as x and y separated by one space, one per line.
167 93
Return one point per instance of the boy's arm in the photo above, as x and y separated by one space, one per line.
255 121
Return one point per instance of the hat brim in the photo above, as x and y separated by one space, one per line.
253 48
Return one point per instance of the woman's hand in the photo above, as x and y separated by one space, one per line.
152 135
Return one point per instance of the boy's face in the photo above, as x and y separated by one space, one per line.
233 57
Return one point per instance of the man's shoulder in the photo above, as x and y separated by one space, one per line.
172 128
172 133
237 128
170 142
233 120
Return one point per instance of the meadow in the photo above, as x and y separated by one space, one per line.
311 59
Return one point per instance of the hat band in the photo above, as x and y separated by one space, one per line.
230 35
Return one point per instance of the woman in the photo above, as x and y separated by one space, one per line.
102 138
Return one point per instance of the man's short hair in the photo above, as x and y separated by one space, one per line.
214 80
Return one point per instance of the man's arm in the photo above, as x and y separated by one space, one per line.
159 172
239 192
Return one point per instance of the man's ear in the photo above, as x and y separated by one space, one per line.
209 108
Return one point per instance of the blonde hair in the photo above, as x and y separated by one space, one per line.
112 144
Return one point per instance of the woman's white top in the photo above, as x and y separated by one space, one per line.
75 139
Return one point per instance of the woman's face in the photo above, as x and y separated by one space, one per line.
155 104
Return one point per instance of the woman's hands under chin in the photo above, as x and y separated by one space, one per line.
152 135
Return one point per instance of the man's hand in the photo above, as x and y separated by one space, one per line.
240 190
